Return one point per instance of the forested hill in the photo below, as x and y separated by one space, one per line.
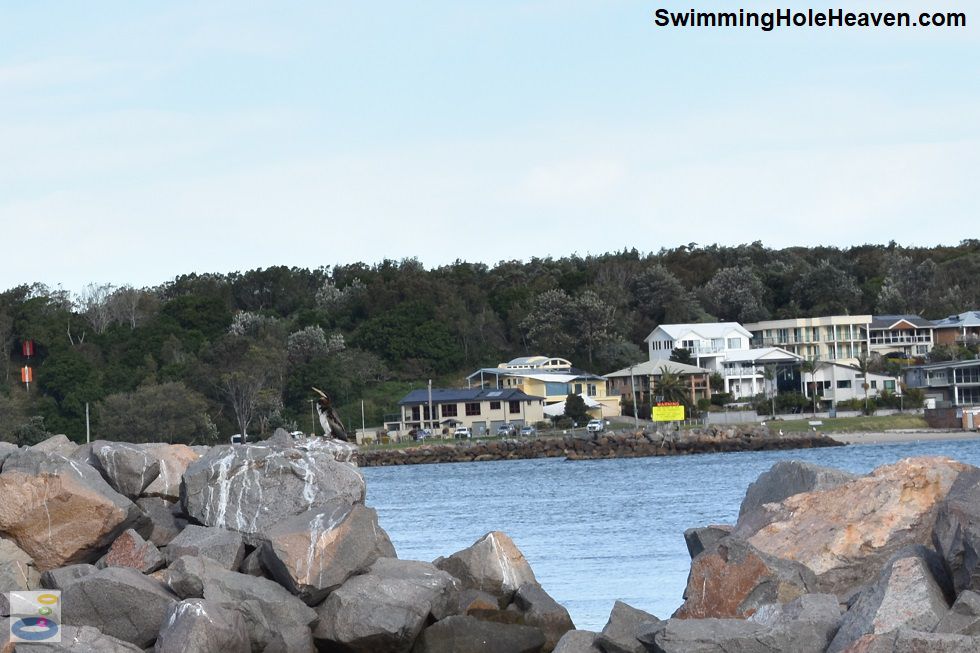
206 355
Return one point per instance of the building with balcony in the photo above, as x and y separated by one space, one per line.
480 409
840 338
642 380
708 343
834 382
950 383
900 336
962 329
744 371
553 379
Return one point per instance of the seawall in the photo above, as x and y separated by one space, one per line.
713 439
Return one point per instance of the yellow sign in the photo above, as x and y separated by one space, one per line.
668 412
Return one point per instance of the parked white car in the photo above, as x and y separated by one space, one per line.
595 426
463 432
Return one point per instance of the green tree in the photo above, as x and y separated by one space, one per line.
547 326
681 355
168 412
671 386
593 323
575 409
864 366
736 294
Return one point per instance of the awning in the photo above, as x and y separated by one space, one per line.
557 410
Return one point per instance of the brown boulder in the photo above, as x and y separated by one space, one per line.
847 533
60 511
493 564
131 550
173 460
732 579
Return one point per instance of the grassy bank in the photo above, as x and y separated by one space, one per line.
855 424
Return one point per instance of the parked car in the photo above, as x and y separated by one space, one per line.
528 430
595 426
420 434
463 432
506 429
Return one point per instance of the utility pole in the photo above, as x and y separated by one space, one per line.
363 428
88 430
431 415
636 415
313 415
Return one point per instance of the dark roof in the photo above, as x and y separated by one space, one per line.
885 321
459 395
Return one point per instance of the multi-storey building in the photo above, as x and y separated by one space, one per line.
837 337
962 329
551 378
480 409
951 383
905 335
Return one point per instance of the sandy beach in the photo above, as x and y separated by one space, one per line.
903 435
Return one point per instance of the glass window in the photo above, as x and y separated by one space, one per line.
734 343
449 410
841 385
889 385
556 389
473 408
514 407
494 405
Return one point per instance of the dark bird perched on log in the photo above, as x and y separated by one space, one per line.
329 419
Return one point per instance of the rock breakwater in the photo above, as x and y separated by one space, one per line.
589 446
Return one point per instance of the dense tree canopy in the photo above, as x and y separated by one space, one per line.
368 333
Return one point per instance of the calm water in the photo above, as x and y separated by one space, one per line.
596 531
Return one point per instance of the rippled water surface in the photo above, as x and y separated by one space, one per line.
596 531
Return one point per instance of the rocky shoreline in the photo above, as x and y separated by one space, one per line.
592 446
270 548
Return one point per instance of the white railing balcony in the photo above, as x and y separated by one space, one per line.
900 340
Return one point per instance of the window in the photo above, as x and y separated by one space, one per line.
556 389
514 407
449 410
494 405
890 385
592 390
472 409
874 384
842 385
416 413
578 388
734 343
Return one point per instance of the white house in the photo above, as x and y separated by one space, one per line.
709 342
834 382
744 371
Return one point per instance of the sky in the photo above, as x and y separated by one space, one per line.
144 140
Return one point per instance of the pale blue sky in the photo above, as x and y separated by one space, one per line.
143 140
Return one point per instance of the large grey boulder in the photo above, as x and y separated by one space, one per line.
805 625
271 613
542 611
622 630
915 641
386 608
80 639
713 636
786 478
704 537
17 571
314 553
732 579
460 634
226 547
956 535
62 577
161 524
199 626
577 641
250 488
964 617
6 449
128 468
60 511
120 602
492 564
906 595
56 444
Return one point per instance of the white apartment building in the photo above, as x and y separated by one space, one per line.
840 338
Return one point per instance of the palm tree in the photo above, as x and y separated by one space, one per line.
809 366
671 386
769 374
